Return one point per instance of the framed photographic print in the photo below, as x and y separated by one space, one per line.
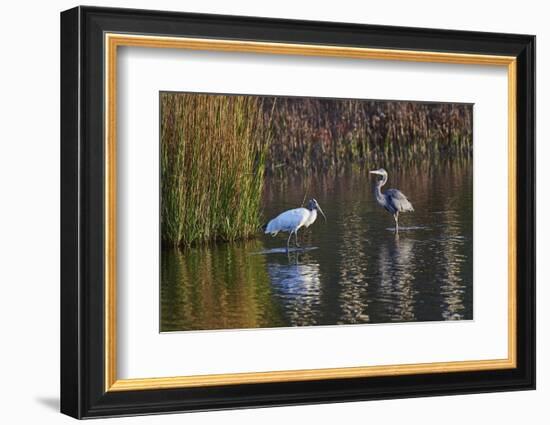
261 212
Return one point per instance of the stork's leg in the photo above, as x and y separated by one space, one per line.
296 238
288 241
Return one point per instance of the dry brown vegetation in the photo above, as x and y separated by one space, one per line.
318 135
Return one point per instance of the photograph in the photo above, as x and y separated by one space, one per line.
283 211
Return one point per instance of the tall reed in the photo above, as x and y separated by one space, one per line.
213 151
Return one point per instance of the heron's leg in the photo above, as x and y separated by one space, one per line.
396 217
296 238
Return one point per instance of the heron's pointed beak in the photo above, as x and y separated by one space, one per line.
321 211
374 172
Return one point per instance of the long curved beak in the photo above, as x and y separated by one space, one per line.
321 211
375 172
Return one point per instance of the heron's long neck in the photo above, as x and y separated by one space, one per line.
378 188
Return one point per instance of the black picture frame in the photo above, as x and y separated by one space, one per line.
83 392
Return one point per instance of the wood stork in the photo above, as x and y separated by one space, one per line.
392 200
292 220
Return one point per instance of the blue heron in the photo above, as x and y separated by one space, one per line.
392 200
292 220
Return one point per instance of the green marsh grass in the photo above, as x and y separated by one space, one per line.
213 151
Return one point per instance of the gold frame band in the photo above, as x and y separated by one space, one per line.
113 41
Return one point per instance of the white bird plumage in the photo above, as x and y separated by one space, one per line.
292 220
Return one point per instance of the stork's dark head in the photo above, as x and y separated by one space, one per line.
314 205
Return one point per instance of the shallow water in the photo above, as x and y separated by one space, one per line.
351 269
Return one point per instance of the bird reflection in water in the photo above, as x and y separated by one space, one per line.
396 273
296 284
